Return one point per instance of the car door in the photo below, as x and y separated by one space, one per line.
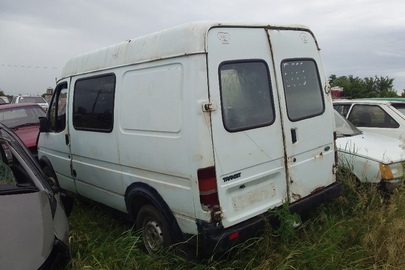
27 233
54 145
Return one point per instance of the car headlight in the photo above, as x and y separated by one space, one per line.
391 171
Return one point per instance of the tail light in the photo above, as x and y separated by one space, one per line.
207 184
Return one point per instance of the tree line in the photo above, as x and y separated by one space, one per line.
355 87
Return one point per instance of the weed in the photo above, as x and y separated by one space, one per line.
359 230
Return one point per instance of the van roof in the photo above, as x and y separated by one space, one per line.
185 39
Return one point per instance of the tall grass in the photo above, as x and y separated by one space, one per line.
363 229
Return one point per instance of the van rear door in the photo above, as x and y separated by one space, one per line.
306 109
258 142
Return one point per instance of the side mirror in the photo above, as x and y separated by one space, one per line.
43 124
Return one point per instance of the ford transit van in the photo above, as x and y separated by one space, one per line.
195 132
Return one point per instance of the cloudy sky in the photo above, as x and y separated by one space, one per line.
362 38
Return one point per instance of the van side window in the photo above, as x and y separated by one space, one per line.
302 89
245 95
371 116
57 109
93 103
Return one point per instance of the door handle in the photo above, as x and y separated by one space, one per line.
67 139
294 135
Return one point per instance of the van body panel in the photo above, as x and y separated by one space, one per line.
145 113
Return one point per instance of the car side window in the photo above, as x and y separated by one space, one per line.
57 109
93 103
342 109
371 116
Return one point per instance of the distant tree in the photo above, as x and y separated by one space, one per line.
355 87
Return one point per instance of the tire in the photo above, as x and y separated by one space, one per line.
67 201
155 230
51 177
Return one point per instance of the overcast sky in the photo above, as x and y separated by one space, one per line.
362 38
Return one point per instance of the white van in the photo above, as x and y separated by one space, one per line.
196 131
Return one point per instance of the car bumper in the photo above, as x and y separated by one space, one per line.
214 238
59 256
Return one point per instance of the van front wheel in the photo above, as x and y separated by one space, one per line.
155 230
51 177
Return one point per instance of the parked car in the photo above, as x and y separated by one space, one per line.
5 99
372 158
382 116
31 99
23 119
33 224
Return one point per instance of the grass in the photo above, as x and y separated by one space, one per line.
363 229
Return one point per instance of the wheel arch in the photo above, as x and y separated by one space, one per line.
44 161
139 194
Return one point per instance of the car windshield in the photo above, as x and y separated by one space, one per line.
344 127
400 107
21 116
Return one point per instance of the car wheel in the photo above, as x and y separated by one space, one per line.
155 230
67 200
51 177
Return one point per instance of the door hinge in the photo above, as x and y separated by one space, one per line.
209 106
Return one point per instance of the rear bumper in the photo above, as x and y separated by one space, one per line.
214 238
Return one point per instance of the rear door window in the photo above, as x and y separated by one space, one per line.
371 116
302 88
245 95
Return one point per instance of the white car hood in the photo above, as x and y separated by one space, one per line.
373 146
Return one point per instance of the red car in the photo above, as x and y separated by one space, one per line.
23 119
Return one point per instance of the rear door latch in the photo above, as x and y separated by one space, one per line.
209 106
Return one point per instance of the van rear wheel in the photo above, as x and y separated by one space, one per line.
155 230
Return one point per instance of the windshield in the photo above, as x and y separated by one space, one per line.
400 107
21 116
344 127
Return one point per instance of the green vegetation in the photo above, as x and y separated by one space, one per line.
363 229
355 87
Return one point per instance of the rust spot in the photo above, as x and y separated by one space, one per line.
216 213
296 196
317 189
319 156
